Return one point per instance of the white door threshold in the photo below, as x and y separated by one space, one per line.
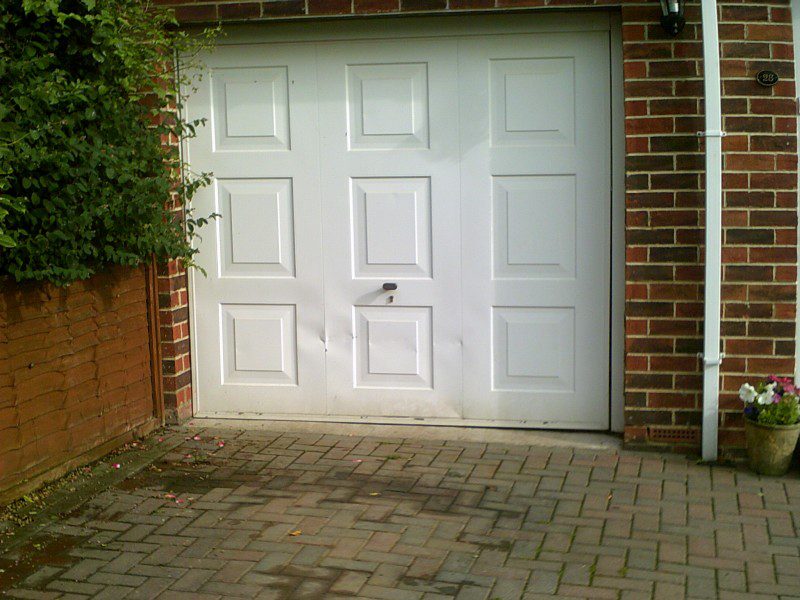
527 437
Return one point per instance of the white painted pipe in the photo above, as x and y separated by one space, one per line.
712 356
795 6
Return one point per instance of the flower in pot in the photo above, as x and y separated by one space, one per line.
772 424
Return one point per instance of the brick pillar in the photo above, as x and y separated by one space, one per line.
760 202
664 166
173 302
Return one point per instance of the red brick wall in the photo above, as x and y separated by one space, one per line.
75 373
173 303
664 197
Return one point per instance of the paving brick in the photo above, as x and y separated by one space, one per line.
112 592
76 587
124 562
349 583
42 575
192 580
113 579
150 588
349 564
32 594
388 593
473 592
231 590
543 582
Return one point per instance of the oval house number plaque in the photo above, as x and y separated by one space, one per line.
767 78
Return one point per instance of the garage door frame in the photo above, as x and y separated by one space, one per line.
418 27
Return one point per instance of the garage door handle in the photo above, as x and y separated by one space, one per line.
389 286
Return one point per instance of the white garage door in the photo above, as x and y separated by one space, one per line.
412 227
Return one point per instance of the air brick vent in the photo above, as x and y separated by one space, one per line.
673 435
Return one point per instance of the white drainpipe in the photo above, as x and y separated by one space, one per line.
712 357
795 6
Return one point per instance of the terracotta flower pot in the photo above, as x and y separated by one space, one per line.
770 447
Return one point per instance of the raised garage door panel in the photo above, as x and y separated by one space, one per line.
470 171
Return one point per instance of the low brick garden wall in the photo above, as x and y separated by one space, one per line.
75 374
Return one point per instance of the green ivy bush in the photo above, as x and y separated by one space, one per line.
88 94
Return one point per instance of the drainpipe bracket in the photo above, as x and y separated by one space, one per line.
712 133
711 362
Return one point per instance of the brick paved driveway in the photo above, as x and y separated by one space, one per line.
271 515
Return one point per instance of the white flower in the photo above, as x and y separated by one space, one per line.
765 397
747 393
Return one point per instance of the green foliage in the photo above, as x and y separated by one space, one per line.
5 240
786 411
88 93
